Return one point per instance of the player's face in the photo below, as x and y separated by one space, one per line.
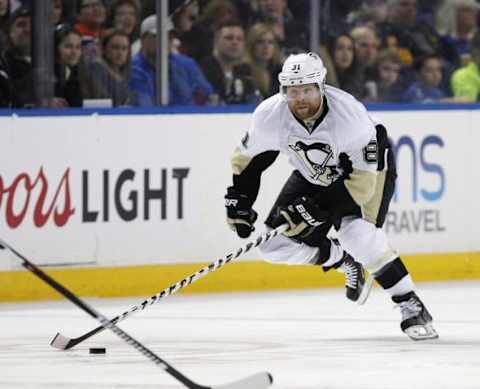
304 100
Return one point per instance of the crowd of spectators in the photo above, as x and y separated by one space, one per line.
230 51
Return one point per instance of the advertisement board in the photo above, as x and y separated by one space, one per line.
140 189
435 202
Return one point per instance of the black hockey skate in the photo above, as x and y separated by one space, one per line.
357 287
416 320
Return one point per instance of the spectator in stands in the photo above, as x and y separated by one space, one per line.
386 84
142 82
370 14
69 12
68 84
324 51
457 23
110 73
124 15
91 15
335 16
6 92
364 17
426 88
4 23
57 12
349 75
229 75
183 16
291 35
187 85
263 56
199 40
466 80
18 58
426 10
403 33
366 46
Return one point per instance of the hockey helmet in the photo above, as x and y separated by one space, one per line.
301 69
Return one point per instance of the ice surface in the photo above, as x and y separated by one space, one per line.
311 339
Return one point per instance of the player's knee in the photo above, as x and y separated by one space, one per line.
367 244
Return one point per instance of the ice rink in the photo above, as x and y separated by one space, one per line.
311 339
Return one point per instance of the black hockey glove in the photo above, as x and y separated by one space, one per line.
240 215
303 216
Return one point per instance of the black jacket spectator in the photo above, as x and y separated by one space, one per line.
5 85
21 74
237 89
18 58
67 84
292 35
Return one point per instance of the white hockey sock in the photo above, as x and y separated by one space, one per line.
402 287
336 255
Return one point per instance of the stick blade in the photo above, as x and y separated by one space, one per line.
61 342
256 381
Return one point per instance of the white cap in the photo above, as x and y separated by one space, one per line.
149 25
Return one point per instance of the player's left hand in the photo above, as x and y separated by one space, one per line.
302 216
240 215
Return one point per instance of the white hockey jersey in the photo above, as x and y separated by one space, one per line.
346 128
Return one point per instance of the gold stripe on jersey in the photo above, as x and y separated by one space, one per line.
239 161
371 208
361 185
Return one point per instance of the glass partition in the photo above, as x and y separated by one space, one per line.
145 53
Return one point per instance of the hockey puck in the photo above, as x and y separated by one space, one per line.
98 350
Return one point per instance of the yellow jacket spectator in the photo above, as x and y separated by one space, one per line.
466 80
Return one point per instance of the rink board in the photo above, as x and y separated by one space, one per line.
244 276
100 196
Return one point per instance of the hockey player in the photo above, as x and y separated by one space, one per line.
344 176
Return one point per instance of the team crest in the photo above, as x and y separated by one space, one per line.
316 158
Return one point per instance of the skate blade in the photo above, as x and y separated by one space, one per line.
367 287
421 332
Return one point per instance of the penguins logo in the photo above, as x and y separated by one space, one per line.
316 157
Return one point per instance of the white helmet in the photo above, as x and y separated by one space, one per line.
300 69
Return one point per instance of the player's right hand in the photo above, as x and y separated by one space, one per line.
240 215
302 216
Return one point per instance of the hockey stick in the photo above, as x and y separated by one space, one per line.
63 343
255 381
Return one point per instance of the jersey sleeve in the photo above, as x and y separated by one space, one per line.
361 181
257 140
256 152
